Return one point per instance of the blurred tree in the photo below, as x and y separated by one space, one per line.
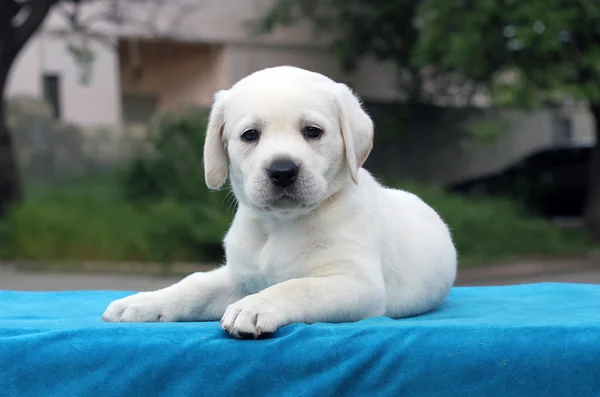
521 52
20 19
381 29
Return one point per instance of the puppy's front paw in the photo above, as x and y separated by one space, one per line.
141 307
252 317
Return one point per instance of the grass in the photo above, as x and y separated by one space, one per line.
489 229
92 221
76 223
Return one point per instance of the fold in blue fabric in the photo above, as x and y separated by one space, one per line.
525 340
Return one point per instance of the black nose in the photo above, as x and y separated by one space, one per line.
283 172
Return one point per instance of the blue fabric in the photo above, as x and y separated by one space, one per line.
529 340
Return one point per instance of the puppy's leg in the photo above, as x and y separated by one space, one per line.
337 298
198 297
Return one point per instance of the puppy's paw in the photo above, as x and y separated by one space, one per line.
141 307
252 317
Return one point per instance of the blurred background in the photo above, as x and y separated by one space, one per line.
487 109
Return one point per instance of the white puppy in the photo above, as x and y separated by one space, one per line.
315 238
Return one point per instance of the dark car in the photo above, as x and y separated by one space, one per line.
551 183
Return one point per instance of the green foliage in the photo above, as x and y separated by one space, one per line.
524 52
533 50
157 209
80 222
93 222
168 178
171 164
486 131
488 229
84 58
381 29
171 172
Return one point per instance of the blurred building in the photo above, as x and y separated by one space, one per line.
134 73
205 45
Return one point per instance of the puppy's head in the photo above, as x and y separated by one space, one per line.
290 138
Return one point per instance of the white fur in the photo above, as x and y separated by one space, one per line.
337 251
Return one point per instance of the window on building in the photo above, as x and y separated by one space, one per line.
51 92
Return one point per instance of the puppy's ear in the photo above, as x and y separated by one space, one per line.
215 158
357 129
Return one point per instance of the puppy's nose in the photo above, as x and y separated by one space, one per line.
283 172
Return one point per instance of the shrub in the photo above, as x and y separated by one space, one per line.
166 179
93 221
83 222
171 164
488 228
159 209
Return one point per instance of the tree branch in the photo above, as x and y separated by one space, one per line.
38 11
13 8
121 20
10 9
177 20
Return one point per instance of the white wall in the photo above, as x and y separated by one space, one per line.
95 104
25 75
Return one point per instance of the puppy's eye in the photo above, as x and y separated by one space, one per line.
312 132
250 135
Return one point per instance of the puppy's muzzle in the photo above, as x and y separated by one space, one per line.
283 172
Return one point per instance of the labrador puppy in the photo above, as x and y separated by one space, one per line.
315 238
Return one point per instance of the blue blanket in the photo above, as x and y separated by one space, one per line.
529 340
